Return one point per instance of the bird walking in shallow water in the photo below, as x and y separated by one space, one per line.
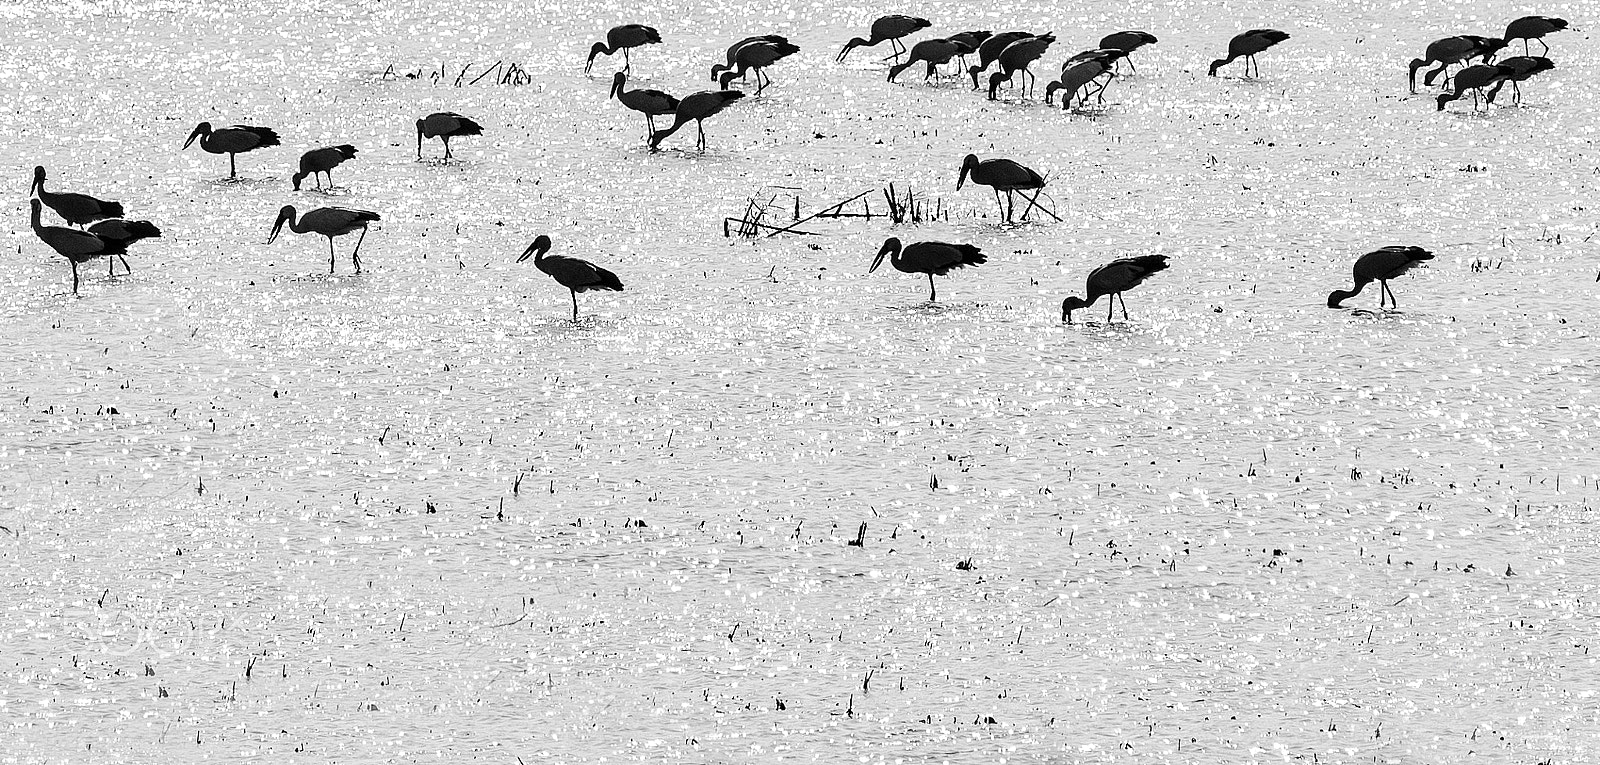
733 52
696 107
931 258
1248 44
319 162
1017 57
1113 279
1128 42
624 38
1475 78
77 209
890 28
650 103
74 245
574 274
124 232
1004 175
935 52
329 222
757 56
1533 28
1380 266
1444 52
444 126
232 141
1524 67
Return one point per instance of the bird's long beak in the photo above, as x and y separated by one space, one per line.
1066 314
419 139
537 248
878 261
277 227
616 85
193 135
962 179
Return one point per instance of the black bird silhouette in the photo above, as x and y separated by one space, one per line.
890 28
650 103
1525 67
1003 175
990 49
74 245
1533 28
967 43
444 126
1017 57
1128 42
1248 44
931 258
322 161
329 222
1380 266
1077 77
125 232
733 52
1475 78
624 38
574 274
696 107
757 56
231 141
1477 46
77 209
1113 279
935 52
1444 52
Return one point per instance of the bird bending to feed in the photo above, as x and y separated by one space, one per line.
1003 175
1482 48
77 209
890 28
624 38
696 107
124 232
757 56
74 245
650 103
318 162
329 222
990 49
1380 266
1128 42
1525 67
968 42
231 141
1076 77
574 274
444 126
1444 52
1248 44
931 258
733 52
1475 78
1017 57
1533 28
935 52
1113 279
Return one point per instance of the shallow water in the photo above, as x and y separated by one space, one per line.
418 515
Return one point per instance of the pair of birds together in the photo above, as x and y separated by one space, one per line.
750 55
102 232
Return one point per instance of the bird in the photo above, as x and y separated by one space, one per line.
1108 57
74 245
1017 57
1380 266
624 38
231 141
1113 279
444 126
990 49
329 222
935 52
1248 44
1533 28
968 42
696 107
77 209
1444 51
931 258
322 160
1477 46
574 274
1525 67
1003 175
126 232
733 51
1128 42
891 28
757 56
1475 78
650 103
1076 77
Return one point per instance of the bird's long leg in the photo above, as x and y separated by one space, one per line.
574 304
1516 93
446 148
627 61
1011 205
331 256
701 126
1542 43
1383 292
1110 304
1394 305
997 202
233 172
111 266
895 46
1131 68
74 276
933 294
1124 302
355 255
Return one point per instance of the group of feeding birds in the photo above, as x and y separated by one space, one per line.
103 232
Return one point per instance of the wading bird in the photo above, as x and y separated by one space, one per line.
1113 279
1017 57
77 209
990 49
444 126
650 103
1462 48
1248 44
1475 78
1078 77
318 162
931 258
696 107
1380 266
1525 67
757 56
125 232
231 141
1003 175
890 28
329 222
1128 42
968 42
1533 28
733 52
574 274
624 38
935 52
74 245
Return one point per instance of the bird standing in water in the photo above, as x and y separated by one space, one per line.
124 232
650 103
1533 28
77 209
935 52
231 141
1380 266
444 126
1248 44
319 162
74 245
1128 42
890 28
1003 175
574 274
329 222
757 56
624 38
1475 78
696 107
931 258
1113 279
1525 67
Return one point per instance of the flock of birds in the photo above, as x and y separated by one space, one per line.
103 232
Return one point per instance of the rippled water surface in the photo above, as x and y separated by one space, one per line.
762 506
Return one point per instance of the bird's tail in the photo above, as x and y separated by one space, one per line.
268 136
1150 263
141 229
346 151
111 209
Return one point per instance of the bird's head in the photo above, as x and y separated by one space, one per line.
1444 98
595 50
967 166
891 246
297 178
38 178
1049 91
1215 65
1069 305
285 215
1338 296
849 46
994 82
540 246
201 129
617 81
727 77
717 69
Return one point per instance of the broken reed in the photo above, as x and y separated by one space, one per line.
504 74
902 209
